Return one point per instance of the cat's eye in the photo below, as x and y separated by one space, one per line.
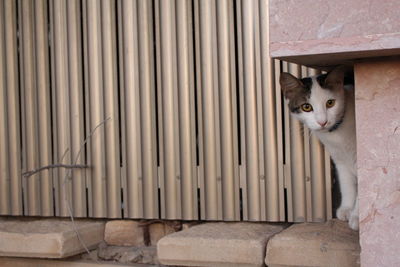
306 107
330 103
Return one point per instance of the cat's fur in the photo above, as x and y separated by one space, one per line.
338 134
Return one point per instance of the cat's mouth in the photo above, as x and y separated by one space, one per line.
324 128
330 127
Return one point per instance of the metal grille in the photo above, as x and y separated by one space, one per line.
173 105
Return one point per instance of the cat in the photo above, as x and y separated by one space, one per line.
325 104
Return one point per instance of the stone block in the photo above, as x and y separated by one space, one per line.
156 232
218 244
159 230
32 262
378 160
315 244
48 238
333 32
124 233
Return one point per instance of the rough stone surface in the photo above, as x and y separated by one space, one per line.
378 155
218 244
130 256
127 255
315 244
120 254
124 233
48 238
92 256
149 255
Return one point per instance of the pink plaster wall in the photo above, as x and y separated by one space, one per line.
378 155
309 27
320 19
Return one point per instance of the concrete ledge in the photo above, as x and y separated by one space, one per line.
218 244
27 262
49 238
315 244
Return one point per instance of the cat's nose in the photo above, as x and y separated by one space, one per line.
322 123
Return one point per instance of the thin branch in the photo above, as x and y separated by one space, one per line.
89 136
52 166
64 155
83 146
68 177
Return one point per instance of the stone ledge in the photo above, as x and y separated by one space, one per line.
218 244
48 238
29 262
314 244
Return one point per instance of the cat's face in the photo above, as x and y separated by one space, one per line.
318 101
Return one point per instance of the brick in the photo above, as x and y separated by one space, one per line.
217 244
48 238
315 244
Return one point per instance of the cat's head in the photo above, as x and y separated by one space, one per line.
318 101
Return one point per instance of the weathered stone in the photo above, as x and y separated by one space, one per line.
29 262
315 244
156 231
113 252
124 233
123 254
187 225
92 256
49 238
173 227
159 230
149 255
218 244
132 256
120 254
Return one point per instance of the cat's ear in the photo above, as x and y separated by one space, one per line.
335 78
290 85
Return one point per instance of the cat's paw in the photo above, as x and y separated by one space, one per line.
343 213
353 221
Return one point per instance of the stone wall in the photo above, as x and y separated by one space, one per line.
378 145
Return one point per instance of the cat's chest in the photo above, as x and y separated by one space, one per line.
341 146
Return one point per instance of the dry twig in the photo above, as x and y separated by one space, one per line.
52 166
68 177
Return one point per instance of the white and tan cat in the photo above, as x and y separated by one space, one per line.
326 106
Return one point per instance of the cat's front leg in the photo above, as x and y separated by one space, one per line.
354 219
348 190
